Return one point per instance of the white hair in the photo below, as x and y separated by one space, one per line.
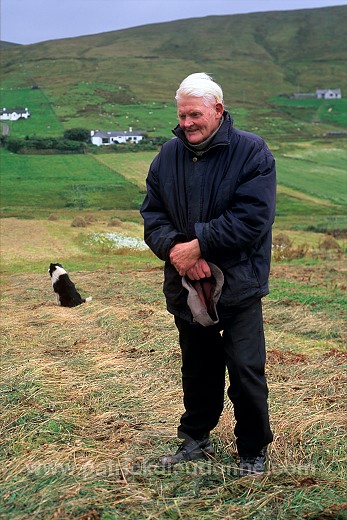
202 85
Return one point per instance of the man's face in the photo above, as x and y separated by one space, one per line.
197 120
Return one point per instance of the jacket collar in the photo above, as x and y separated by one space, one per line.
222 137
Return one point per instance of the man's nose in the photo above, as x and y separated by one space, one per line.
188 122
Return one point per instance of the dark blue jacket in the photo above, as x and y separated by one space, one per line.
226 199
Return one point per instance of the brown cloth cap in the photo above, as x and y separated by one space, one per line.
203 296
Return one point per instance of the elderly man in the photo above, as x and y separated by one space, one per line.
208 214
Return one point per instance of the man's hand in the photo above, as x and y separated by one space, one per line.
185 255
200 270
186 258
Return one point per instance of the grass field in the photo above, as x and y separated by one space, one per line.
43 121
333 111
311 185
44 182
133 166
90 396
318 171
94 105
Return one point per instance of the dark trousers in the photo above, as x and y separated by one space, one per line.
236 343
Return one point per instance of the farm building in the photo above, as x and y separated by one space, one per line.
329 93
14 114
101 138
321 93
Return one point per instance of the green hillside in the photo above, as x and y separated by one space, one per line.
125 78
7 45
254 56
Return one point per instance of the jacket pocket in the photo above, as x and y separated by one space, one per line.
239 277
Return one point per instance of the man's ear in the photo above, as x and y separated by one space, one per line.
219 108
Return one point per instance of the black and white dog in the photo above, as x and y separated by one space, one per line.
66 292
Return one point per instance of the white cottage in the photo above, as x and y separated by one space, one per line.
7 114
101 138
329 93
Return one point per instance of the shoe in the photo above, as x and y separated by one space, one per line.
253 466
189 450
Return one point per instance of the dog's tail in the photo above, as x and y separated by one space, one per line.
89 299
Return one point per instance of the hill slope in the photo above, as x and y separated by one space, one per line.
254 56
7 45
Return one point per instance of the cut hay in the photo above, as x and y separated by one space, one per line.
91 397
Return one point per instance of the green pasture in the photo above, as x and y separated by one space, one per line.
311 183
134 166
112 107
88 105
320 172
328 111
34 183
102 106
283 118
315 170
43 121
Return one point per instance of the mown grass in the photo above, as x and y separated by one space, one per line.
37 243
91 397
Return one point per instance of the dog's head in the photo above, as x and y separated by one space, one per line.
53 267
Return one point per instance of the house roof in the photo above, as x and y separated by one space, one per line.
14 110
324 90
126 133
